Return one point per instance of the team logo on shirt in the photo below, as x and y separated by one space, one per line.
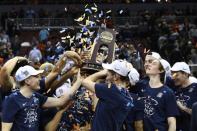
149 106
31 113
183 99
191 90
31 117
160 94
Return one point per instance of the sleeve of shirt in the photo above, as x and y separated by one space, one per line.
102 91
107 94
171 106
195 90
194 117
42 98
9 110
139 87
139 110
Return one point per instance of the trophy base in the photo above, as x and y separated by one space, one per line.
90 68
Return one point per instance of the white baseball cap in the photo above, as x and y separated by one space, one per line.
165 64
118 66
134 76
26 71
193 79
155 55
181 66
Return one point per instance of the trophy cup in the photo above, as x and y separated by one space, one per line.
106 43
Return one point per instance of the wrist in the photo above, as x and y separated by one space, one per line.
64 58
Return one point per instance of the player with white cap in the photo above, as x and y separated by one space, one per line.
115 101
186 93
159 100
21 109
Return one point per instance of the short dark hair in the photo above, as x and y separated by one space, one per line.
21 83
122 78
185 73
162 74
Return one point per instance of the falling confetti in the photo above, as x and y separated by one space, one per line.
63 30
94 9
88 10
101 14
121 11
63 38
95 5
109 11
86 6
80 18
65 9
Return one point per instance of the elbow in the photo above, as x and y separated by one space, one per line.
138 125
172 124
84 83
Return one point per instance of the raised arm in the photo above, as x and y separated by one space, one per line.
56 102
57 83
6 82
6 71
89 82
53 124
59 66
56 70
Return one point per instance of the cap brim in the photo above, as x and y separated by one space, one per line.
107 66
174 69
37 72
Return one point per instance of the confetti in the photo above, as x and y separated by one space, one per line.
87 22
63 41
109 11
72 39
81 24
65 9
63 38
88 10
108 17
91 33
86 6
80 18
63 30
94 9
78 36
101 14
84 29
68 36
95 5
121 11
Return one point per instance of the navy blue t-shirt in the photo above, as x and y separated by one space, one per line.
159 104
187 96
23 112
136 113
112 108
